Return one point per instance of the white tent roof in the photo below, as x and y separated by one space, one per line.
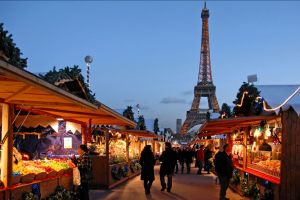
277 94
194 129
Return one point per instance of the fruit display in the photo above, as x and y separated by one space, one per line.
41 166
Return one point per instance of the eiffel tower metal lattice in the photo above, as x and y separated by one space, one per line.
205 86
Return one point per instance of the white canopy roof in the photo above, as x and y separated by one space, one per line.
277 94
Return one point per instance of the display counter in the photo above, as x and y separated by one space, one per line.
47 186
109 175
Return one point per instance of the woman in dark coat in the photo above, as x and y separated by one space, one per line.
147 161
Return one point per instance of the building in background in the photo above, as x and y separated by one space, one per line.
178 125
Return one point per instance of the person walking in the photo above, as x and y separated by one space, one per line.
224 169
200 159
84 165
177 158
181 155
147 162
208 154
168 159
188 159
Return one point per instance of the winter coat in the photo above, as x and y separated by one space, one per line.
223 164
207 155
181 155
147 162
200 155
189 156
168 159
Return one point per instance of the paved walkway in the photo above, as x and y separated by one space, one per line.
185 187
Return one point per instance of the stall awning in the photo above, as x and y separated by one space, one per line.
223 126
29 92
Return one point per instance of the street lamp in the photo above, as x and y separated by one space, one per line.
88 60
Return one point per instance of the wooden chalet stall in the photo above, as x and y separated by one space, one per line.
119 152
23 92
264 151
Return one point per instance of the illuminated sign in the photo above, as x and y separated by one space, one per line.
67 142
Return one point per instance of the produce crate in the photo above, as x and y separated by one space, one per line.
61 172
52 174
41 175
66 181
48 187
15 179
17 192
27 178
68 171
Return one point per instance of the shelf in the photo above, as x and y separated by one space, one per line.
259 174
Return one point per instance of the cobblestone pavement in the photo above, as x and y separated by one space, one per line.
185 187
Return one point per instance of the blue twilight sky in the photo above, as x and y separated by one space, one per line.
147 52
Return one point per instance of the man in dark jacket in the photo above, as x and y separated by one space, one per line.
189 159
224 169
181 153
168 159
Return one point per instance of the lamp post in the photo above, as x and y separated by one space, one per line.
88 60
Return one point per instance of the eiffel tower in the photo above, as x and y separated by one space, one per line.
205 86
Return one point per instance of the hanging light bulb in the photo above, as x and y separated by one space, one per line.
257 132
268 132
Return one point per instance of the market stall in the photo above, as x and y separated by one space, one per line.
22 92
255 143
122 160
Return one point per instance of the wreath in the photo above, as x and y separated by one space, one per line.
245 187
236 177
126 171
132 167
255 191
138 166
117 173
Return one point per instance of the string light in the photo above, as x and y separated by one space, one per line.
264 102
242 100
273 109
223 115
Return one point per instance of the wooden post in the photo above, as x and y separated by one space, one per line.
153 146
290 159
83 134
7 147
107 156
244 150
89 136
127 147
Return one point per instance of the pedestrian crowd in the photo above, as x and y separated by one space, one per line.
171 158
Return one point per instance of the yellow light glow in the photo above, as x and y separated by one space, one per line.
242 100
268 132
257 133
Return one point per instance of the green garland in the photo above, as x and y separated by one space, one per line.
73 73
255 191
245 187
236 177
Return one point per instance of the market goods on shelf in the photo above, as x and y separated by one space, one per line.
41 166
117 151
271 167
